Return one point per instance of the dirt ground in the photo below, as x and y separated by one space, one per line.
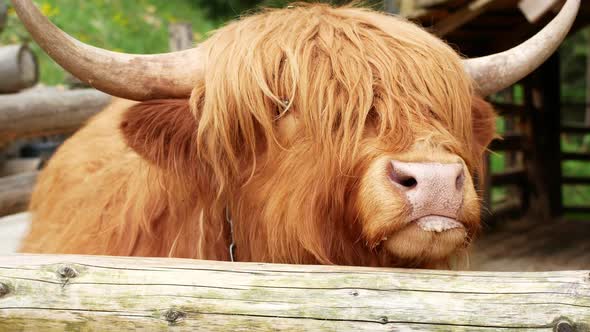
528 246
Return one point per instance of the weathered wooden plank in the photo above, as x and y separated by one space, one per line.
53 293
15 192
43 111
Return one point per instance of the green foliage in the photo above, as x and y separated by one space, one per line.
139 26
574 53
224 9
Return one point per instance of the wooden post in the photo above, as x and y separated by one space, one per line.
91 293
587 117
180 36
486 211
18 68
392 6
544 156
3 14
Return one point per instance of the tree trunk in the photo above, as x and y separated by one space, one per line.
15 192
89 293
45 111
18 68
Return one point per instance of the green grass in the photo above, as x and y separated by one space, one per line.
138 26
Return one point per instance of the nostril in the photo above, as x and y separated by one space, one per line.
460 181
403 179
408 182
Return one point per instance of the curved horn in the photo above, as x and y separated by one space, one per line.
495 72
136 77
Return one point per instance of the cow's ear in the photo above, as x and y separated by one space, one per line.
161 131
484 124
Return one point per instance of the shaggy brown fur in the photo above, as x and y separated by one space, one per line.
290 131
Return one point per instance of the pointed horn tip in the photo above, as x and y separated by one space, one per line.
130 76
496 72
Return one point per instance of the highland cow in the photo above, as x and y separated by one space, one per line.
310 134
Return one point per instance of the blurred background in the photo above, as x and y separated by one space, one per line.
540 171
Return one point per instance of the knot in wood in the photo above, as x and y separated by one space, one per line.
564 326
66 272
174 316
383 320
3 289
354 293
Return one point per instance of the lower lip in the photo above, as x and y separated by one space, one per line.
438 224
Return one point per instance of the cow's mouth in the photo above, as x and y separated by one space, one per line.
437 223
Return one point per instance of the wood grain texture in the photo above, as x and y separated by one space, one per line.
44 111
82 293
19 165
18 68
15 192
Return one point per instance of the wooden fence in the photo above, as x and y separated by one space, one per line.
81 293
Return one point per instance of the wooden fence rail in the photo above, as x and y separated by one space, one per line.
87 293
43 111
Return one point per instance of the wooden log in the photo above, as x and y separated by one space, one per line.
19 165
15 192
89 293
45 111
18 68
